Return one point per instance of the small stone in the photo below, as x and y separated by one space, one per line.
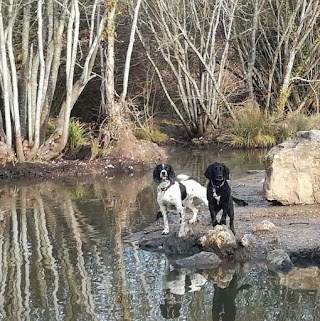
248 240
264 226
220 238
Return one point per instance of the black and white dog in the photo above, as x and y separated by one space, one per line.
219 194
177 283
177 191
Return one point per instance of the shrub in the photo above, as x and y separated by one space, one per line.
250 129
96 150
294 123
78 135
151 134
52 122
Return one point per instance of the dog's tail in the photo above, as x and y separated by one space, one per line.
183 177
239 202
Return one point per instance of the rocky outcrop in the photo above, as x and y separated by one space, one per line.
293 170
260 228
220 240
278 260
202 260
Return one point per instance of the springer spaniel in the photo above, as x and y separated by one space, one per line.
177 191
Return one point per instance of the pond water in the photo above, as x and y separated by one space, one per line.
63 257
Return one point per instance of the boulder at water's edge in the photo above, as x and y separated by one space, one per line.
293 170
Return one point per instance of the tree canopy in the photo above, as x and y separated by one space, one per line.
197 59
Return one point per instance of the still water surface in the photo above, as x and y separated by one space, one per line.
62 257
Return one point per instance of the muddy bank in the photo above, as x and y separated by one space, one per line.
297 228
68 169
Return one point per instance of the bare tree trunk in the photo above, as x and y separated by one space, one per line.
129 52
23 101
55 144
111 109
252 60
40 82
5 82
10 81
190 40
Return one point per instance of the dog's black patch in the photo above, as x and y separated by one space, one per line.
183 191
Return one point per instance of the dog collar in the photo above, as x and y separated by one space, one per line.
163 189
219 186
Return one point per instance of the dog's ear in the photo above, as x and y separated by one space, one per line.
156 174
171 173
208 172
226 172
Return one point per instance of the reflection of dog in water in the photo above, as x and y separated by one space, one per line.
225 293
175 285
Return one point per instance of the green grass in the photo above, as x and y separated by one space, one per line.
78 135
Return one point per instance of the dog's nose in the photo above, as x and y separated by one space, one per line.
220 177
163 173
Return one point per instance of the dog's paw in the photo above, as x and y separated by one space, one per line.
193 220
214 223
184 231
165 231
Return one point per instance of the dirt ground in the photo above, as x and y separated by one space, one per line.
68 169
297 227
126 155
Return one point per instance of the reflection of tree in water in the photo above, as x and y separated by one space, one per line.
51 263
62 257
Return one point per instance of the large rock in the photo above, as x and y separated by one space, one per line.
220 240
293 170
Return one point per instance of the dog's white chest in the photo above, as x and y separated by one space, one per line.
168 196
217 197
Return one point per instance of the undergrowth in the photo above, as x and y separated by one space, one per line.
78 135
251 129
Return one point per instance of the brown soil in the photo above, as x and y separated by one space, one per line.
130 155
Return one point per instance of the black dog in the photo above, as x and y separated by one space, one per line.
219 194
224 300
